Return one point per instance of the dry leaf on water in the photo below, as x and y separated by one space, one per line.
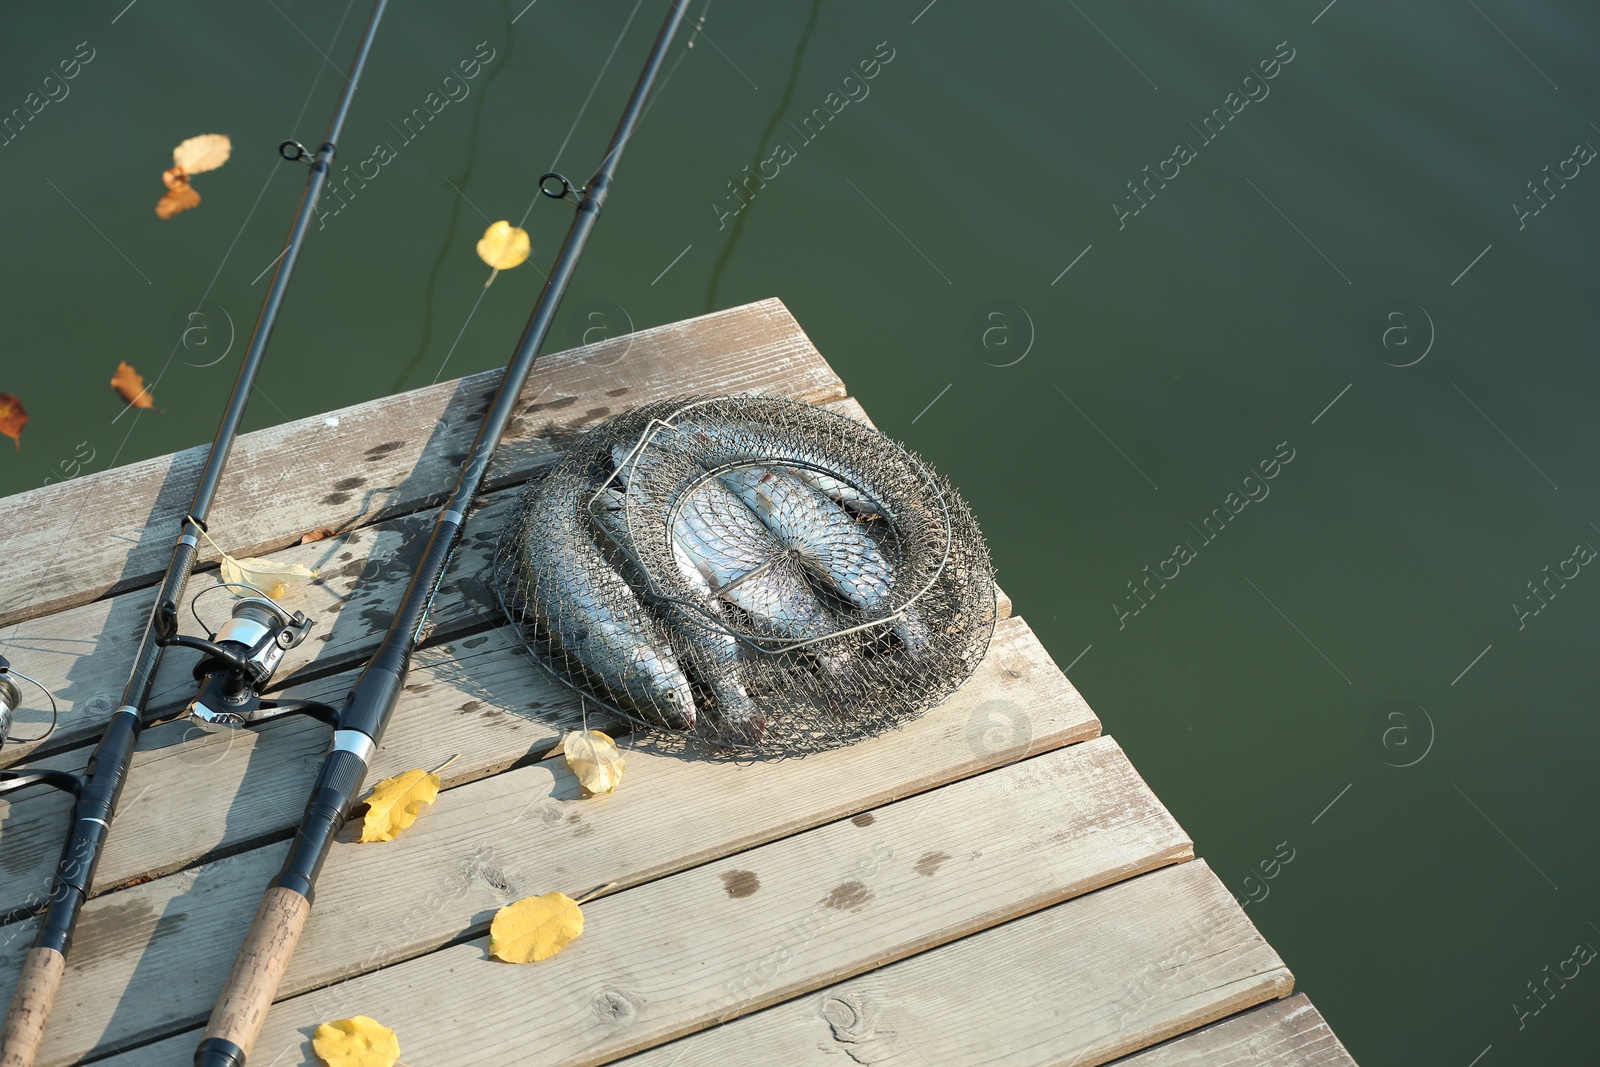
503 246
129 385
356 1042
395 803
595 759
535 928
13 417
200 154
180 197
194 156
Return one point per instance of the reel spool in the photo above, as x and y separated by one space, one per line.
11 700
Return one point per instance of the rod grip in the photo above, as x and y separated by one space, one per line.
257 972
30 1007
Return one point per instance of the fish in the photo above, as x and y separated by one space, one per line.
737 717
717 441
592 616
729 545
832 546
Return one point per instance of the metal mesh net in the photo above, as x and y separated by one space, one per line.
761 574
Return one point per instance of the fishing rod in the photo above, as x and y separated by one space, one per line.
258 969
235 666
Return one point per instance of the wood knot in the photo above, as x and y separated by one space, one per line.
616 1007
853 1022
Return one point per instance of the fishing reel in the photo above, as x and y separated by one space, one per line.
11 700
239 660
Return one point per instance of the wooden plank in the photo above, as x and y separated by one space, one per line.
1289 1033
82 654
706 945
191 794
1079 983
76 541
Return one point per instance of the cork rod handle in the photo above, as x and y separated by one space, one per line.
30 1007
259 968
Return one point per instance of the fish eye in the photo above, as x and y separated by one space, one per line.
671 695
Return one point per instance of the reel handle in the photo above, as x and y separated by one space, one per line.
30 1007
241 1010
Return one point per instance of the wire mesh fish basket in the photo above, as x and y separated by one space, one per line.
764 575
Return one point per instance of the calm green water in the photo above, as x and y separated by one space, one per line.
1355 676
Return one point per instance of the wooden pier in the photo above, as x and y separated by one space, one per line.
993 884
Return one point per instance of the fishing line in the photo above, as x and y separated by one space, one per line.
579 118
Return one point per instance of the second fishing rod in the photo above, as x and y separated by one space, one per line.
241 1010
236 663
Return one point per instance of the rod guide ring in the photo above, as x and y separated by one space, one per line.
565 192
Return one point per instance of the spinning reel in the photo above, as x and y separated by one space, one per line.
239 660
11 700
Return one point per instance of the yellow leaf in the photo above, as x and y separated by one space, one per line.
535 928
503 246
200 154
273 579
595 759
357 1042
396 802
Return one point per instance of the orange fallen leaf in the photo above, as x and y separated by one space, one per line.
13 417
194 156
315 535
179 198
129 385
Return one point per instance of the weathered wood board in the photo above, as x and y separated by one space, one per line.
714 942
1079 983
1290 1031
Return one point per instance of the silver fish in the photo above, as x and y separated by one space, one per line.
592 616
717 441
735 552
835 548
737 717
